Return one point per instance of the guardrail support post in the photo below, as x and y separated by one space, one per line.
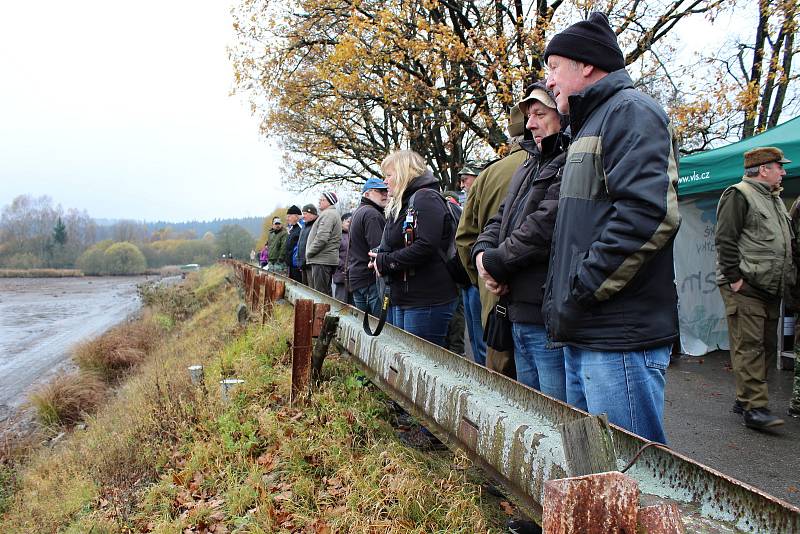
301 349
324 339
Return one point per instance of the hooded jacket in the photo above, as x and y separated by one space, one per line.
516 241
417 273
324 239
611 284
366 229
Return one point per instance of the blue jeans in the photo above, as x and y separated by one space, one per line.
472 315
427 322
367 298
538 365
628 386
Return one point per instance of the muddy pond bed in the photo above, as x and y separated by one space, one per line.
42 318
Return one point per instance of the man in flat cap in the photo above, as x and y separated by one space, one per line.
754 267
610 293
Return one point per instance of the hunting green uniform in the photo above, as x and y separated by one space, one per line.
753 241
277 248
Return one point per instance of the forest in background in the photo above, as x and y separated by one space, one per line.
35 233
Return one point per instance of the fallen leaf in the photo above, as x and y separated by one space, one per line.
283 496
507 507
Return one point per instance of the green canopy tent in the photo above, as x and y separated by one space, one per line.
714 170
703 176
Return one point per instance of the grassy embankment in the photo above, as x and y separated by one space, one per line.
163 456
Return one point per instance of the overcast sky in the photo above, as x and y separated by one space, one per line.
123 109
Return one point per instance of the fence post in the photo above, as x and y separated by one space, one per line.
301 349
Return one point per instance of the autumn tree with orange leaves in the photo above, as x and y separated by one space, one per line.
341 83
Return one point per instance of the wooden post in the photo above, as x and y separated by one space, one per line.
588 447
326 335
301 349
266 309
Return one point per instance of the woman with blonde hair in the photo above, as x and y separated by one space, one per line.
412 252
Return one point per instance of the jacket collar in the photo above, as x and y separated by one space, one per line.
426 180
367 202
552 146
582 104
761 187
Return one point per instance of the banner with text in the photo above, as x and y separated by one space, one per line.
700 309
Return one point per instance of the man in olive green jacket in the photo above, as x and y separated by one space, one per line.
754 269
277 246
483 202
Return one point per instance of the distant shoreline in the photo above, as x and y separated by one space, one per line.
40 273
169 270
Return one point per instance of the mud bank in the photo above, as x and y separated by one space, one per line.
42 318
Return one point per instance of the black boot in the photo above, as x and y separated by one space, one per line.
761 419
523 526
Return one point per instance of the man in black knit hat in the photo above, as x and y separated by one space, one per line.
293 215
610 295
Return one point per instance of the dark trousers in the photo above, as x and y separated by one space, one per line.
295 274
321 276
753 335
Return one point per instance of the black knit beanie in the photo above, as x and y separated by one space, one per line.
590 41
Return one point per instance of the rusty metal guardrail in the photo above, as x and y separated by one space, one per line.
513 433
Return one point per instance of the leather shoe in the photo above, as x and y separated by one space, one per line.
761 419
738 407
793 412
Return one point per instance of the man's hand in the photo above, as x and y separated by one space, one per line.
737 285
491 284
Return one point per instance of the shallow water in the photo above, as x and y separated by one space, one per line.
42 318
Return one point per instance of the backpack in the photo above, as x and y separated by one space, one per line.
450 258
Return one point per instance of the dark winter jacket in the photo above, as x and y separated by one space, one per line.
301 244
516 241
344 244
366 229
611 284
418 273
291 242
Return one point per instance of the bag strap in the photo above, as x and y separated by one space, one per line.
384 311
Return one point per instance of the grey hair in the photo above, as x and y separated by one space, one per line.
751 172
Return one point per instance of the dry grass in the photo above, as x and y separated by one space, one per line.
166 457
67 398
39 273
114 353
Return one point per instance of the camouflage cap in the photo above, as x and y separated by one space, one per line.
473 167
763 155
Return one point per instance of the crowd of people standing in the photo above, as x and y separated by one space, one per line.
566 243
